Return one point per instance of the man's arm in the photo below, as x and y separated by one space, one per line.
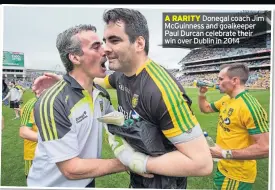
204 105
110 81
101 82
77 168
49 79
180 127
26 133
63 147
7 96
192 159
258 150
107 82
44 82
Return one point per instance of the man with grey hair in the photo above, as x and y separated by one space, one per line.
243 131
149 94
70 138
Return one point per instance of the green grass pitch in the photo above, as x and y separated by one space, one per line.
12 164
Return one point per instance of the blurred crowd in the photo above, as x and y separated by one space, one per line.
28 80
257 78
216 67
256 44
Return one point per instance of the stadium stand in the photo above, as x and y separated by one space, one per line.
31 75
204 63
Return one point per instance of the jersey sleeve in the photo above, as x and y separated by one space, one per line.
217 104
254 117
27 113
31 120
110 81
55 128
166 102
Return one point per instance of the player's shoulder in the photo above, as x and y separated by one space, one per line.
29 104
32 100
156 77
248 101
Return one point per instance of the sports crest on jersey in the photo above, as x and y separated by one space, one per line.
134 100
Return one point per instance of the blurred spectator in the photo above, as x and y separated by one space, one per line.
5 91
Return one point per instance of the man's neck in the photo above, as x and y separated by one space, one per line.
85 81
237 91
136 65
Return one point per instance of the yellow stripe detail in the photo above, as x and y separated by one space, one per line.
25 167
50 95
89 100
176 123
23 115
233 184
172 132
51 110
26 110
40 109
30 165
225 183
255 112
262 113
30 109
78 104
178 95
176 130
107 83
143 66
236 185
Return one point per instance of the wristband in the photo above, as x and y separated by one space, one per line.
227 154
202 94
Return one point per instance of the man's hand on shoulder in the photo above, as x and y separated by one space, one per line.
44 82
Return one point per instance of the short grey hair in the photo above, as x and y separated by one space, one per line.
67 43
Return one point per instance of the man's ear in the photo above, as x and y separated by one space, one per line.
235 80
140 44
75 59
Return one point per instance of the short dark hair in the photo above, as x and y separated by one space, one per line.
66 43
239 70
135 23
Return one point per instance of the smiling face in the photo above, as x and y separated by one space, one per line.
118 49
92 61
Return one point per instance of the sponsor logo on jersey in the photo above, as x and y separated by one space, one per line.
227 121
82 117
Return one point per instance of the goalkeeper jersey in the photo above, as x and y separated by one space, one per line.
239 118
153 94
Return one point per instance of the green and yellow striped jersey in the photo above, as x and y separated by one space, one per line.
239 118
